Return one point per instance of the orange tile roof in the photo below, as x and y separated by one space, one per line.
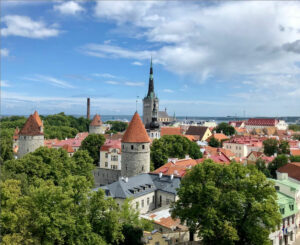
295 152
96 121
68 148
292 169
219 136
191 137
136 132
177 168
170 131
37 118
50 142
214 151
32 126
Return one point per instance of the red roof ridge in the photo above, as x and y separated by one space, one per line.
37 118
33 126
136 132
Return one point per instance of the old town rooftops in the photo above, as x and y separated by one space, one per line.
262 122
136 132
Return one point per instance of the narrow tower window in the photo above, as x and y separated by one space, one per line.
143 147
131 147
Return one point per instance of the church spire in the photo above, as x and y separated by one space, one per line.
151 83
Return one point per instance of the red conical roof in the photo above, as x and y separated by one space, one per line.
136 132
32 126
96 121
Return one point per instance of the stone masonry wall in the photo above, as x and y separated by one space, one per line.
29 144
103 176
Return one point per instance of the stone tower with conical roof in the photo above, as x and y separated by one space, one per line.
95 125
149 101
31 136
135 149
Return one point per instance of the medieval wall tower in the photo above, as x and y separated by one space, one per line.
149 101
135 149
95 125
31 136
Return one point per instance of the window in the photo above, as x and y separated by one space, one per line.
160 200
291 236
142 168
167 201
143 147
291 206
277 188
106 164
156 243
142 203
153 198
123 147
282 212
106 155
288 220
131 147
148 200
114 158
293 219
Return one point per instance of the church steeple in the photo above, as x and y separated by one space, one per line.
151 83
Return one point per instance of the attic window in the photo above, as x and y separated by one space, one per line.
282 210
132 191
291 206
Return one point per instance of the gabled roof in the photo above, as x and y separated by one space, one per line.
32 126
262 122
257 154
68 148
96 121
218 136
136 132
292 169
170 131
114 144
197 130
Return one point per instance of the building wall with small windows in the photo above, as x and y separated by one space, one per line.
110 159
135 159
103 176
164 198
241 150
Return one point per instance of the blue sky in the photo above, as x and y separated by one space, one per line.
209 60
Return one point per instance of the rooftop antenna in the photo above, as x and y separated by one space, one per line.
136 103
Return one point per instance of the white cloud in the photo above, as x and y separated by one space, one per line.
137 63
5 84
168 90
69 8
105 75
24 26
235 41
50 80
112 82
134 84
4 52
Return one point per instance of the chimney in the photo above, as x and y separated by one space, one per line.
88 109
126 179
160 174
172 176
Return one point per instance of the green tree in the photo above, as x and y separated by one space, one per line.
284 147
6 145
92 144
232 204
295 158
270 146
278 162
294 127
117 126
173 146
225 128
60 132
213 142
261 165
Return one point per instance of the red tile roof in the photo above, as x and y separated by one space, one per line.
170 131
117 136
191 137
68 148
214 151
96 121
292 169
177 168
115 144
32 126
49 143
72 142
262 122
136 132
218 136
82 135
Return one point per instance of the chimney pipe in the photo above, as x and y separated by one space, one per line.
88 109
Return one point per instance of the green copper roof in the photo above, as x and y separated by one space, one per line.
287 205
288 183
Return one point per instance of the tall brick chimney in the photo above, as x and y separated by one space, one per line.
88 108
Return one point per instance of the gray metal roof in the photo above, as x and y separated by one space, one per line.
163 114
141 185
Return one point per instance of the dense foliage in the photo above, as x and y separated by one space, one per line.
92 144
117 126
278 162
173 146
213 142
6 144
46 199
228 204
272 146
294 127
225 128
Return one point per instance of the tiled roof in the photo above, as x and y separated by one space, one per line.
196 130
295 152
262 122
37 118
115 144
96 121
218 136
177 168
191 137
82 135
32 126
236 123
214 151
170 131
248 140
72 142
292 169
136 132
257 154
114 136
68 148
49 143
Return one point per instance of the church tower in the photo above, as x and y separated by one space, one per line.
149 101
135 149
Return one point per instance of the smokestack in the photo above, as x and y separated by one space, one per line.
88 109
